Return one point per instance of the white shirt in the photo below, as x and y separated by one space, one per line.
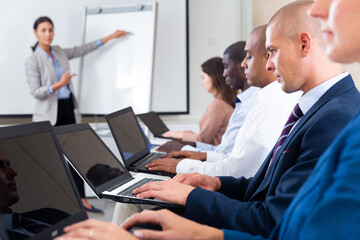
312 96
255 139
248 100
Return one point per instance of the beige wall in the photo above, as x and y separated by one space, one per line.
264 9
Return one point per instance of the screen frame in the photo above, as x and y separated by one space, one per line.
45 127
128 162
112 184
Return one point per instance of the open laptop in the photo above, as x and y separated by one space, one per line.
39 186
156 126
100 168
131 142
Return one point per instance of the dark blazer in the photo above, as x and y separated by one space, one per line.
256 204
328 204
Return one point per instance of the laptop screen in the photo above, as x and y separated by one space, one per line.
37 198
127 134
89 155
154 123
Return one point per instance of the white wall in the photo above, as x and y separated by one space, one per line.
214 25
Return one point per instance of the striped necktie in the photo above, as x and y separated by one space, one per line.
294 117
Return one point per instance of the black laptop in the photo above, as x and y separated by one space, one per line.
100 168
40 194
156 126
131 141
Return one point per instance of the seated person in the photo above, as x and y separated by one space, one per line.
258 133
235 78
326 207
214 121
254 205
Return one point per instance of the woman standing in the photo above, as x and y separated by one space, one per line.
49 79
214 121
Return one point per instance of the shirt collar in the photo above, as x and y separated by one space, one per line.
268 90
311 97
248 93
47 55
6 219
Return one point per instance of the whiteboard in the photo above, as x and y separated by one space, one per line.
119 74
169 92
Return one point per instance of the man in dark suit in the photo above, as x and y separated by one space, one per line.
297 58
21 225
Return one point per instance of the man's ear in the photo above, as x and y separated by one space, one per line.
305 42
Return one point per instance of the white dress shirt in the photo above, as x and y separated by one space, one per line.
312 96
255 139
248 99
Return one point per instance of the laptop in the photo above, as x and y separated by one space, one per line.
131 141
156 126
99 167
40 188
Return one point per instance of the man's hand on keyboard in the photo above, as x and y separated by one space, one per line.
170 191
163 164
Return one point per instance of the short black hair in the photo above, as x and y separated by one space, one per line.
236 52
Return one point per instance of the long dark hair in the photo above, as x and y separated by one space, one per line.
215 68
37 23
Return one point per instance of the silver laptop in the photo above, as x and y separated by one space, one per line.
131 141
100 168
41 196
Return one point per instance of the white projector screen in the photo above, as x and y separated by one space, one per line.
120 73
169 92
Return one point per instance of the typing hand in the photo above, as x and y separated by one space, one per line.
95 230
174 226
186 154
170 191
199 180
163 164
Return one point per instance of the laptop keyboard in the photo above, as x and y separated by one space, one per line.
128 191
149 158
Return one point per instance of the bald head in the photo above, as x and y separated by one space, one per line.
292 19
294 43
259 34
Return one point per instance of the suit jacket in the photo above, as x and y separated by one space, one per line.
328 204
256 204
41 75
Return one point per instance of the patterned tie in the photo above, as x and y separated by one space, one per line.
31 225
294 116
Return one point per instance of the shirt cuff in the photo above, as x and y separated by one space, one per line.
189 148
51 91
205 146
189 166
99 43
214 156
